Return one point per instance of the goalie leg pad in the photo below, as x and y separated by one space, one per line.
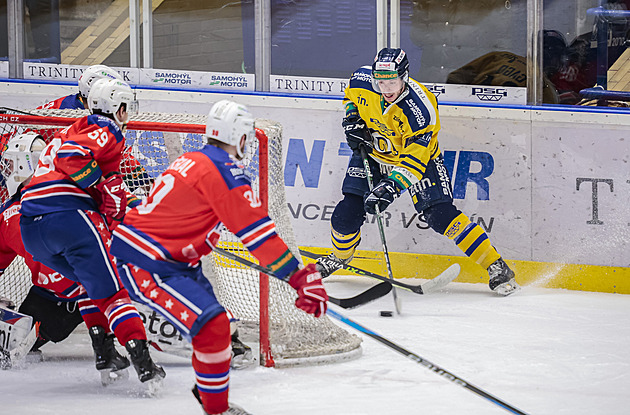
57 318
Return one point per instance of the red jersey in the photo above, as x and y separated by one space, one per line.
70 102
188 205
11 246
72 162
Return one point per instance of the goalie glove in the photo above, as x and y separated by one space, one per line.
312 296
382 196
357 133
111 197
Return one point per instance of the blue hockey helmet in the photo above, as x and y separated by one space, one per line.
390 63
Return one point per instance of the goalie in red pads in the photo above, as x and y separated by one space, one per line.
66 207
161 242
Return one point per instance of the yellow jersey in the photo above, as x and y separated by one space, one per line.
404 132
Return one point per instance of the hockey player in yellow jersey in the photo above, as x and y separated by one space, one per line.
395 118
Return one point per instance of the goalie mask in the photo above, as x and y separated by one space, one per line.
228 122
107 95
94 73
19 160
390 64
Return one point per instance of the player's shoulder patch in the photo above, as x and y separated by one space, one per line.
362 78
415 110
232 172
71 102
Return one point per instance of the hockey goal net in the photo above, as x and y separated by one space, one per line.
264 306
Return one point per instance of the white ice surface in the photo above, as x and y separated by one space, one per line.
543 351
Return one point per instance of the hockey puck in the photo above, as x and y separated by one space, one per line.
387 314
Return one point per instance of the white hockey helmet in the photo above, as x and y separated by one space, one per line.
228 122
92 74
107 95
19 160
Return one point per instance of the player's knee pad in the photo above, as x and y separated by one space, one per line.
214 336
439 216
349 214
57 318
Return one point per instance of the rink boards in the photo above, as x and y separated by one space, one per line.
550 186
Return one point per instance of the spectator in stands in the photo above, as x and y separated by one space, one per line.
509 69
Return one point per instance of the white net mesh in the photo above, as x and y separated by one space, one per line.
294 336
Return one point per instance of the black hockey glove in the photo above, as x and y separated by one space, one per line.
357 133
382 196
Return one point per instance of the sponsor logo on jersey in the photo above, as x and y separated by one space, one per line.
361 76
383 129
10 212
489 93
417 112
422 139
237 172
444 179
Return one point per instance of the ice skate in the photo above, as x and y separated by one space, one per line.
145 366
232 410
111 364
242 355
502 279
326 265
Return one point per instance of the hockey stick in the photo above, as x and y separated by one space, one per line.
431 366
381 230
365 297
435 284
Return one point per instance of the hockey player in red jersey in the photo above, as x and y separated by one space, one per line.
78 101
57 303
75 191
160 244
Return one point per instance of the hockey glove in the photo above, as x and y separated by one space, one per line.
312 296
357 133
382 196
111 197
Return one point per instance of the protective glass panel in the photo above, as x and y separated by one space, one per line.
325 38
444 36
594 68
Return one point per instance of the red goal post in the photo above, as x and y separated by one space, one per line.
265 308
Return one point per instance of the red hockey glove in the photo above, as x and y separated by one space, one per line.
111 197
312 296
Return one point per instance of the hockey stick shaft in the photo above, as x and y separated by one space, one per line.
364 297
381 230
431 366
435 284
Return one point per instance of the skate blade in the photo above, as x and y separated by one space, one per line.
507 288
109 376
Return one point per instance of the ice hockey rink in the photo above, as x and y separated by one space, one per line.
543 351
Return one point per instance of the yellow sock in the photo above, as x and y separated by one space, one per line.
472 240
344 245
